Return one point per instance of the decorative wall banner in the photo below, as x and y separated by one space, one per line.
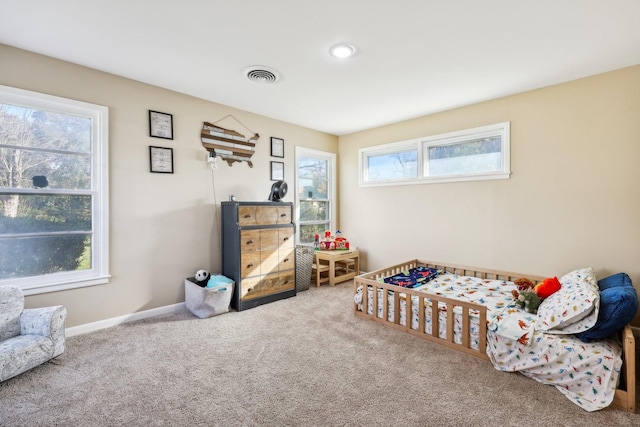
229 145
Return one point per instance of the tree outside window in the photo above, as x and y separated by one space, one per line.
49 194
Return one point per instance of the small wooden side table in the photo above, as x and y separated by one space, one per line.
350 259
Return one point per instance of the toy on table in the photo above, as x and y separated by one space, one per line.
332 243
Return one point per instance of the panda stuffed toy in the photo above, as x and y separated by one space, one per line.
202 278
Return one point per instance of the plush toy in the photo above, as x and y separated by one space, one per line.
530 296
523 284
528 300
202 277
547 287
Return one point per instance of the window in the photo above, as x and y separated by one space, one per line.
392 164
315 195
472 154
53 192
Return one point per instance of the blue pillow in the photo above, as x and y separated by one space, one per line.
618 306
614 281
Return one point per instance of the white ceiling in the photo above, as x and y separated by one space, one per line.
415 57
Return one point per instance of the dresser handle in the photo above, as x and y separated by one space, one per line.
247 215
249 265
285 239
283 215
286 260
249 242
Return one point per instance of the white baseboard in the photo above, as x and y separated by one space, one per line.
167 309
114 321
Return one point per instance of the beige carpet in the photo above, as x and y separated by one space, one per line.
304 361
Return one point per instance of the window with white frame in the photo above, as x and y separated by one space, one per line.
471 154
315 195
53 192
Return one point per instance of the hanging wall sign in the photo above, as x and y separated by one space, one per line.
229 145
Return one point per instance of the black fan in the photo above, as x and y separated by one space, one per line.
278 191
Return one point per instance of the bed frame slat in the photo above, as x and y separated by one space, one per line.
450 322
396 308
435 319
466 328
421 316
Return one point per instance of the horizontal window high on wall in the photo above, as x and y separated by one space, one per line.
471 154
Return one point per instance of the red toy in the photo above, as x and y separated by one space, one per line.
548 287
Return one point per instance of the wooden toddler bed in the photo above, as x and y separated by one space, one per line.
460 331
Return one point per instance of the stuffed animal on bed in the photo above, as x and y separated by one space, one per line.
527 300
548 287
523 284
531 296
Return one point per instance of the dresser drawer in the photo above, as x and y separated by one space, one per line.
247 215
250 288
250 264
269 261
285 238
267 215
265 262
256 287
286 281
249 241
287 259
269 239
284 214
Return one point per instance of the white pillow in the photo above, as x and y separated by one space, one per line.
572 309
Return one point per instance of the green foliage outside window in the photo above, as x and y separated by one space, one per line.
43 230
33 256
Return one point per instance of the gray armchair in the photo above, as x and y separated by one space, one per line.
28 337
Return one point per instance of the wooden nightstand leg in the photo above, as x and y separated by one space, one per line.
332 272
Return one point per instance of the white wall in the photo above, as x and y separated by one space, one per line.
572 200
163 226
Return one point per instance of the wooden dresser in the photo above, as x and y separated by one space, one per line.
258 251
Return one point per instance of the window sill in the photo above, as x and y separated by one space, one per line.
35 289
435 180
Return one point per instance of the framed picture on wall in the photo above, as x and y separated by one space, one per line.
160 125
277 147
161 159
277 171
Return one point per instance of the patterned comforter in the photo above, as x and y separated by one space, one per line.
586 373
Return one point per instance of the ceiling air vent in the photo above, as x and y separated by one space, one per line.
261 74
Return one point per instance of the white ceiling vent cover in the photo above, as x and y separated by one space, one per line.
261 74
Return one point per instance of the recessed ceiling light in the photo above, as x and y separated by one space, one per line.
342 50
